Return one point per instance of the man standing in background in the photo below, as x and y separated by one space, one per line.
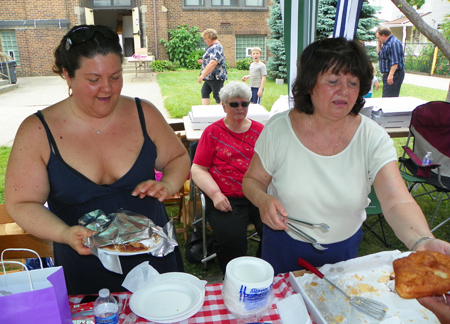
391 61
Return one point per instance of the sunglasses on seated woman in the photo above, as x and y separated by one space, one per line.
83 34
234 104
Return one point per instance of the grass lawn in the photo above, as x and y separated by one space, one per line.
181 90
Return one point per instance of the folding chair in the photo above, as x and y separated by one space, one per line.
430 132
374 209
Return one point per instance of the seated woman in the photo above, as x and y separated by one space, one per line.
221 160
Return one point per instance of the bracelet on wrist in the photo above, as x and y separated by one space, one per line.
413 247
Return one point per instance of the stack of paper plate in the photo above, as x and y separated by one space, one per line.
174 298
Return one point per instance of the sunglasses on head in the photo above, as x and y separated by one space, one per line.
244 104
83 34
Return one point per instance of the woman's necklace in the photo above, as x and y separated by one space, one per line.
96 130
243 136
337 142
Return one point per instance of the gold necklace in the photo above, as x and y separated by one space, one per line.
233 139
97 131
337 142
243 135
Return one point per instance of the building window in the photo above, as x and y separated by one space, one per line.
225 4
201 44
195 3
9 44
254 3
112 4
244 44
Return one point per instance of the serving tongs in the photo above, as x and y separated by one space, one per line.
311 239
369 306
322 225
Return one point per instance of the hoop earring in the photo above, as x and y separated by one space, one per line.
69 92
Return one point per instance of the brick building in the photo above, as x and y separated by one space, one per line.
31 30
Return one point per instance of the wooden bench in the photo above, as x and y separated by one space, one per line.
22 240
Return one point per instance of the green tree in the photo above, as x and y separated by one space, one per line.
325 18
367 21
276 64
182 42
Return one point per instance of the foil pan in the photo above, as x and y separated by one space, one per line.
125 226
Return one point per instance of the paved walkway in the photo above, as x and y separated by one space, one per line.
39 92
438 83
36 93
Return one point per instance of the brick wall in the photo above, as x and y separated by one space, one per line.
36 45
227 23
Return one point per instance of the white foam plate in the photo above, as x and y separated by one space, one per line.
167 301
179 276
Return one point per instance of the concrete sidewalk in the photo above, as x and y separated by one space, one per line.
434 82
36 93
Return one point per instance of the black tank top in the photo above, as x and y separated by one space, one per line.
72 195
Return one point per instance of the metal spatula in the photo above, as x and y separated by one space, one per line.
365 305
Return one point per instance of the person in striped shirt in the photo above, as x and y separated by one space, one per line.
391 61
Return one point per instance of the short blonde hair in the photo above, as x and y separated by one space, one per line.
257 49
210 34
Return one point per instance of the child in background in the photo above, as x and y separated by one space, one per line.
257 76
374 83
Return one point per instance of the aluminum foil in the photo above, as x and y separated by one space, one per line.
125 226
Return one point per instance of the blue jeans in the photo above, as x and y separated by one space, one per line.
255 99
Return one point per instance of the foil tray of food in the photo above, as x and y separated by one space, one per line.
370 276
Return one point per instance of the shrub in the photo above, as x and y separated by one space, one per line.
163 66
182 41
244 64
191 60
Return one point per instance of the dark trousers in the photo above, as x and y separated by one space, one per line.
230 229
213 86
393 90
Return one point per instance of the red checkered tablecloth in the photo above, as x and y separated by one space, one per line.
213 310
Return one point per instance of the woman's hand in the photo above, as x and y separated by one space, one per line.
200 61
152 188
74 237
221 202
270 212
434 245
438 306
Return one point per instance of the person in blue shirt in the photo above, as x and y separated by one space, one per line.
214 72
391 61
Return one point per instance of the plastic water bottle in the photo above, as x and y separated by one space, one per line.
427 159
106 310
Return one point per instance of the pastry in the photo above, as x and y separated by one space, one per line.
421 274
